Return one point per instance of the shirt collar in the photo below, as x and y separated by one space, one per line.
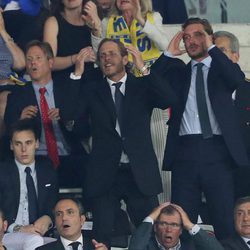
246 240
66 242
21 167
48 86
161 247
123 80
206 61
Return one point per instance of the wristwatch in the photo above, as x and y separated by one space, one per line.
17 228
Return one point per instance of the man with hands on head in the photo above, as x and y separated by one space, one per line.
122 162
167 221
204 142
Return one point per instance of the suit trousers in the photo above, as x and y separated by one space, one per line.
205 165
105 206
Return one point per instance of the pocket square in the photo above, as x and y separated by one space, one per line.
47 185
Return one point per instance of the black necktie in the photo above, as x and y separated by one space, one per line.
32 198
75 245
202 104
118 102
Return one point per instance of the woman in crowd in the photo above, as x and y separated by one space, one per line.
11 58
72 31
134 22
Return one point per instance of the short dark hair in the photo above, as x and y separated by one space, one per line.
196 20
241 201
169 210
44 46
25 125
120 45
76 201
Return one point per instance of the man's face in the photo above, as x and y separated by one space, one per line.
111 62
24 145
3 227
242 220
68 219
223 43
195 42
38 65
168 229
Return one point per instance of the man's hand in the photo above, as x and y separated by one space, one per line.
99 246
156 212
174 45
29 112
53 114
42 224
187 224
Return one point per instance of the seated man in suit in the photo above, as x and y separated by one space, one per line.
28 189
167 221
3 228
51 104
69 218
241 241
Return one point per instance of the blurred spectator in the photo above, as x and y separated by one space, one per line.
104 7
71 32
172 11
3 228
24 20
11 58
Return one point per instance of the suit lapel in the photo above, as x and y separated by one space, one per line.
40 176
187 82
15 179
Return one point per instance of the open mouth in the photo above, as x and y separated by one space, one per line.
66 226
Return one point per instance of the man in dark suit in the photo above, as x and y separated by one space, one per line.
69 218
167 222
228 43
52 110
204 142
28 189
241 240
122 162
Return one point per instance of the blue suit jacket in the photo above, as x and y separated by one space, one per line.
223 78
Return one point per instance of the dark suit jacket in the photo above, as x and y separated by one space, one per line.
65 95
142 95
234 243
223 78
143 239
57 245
10 188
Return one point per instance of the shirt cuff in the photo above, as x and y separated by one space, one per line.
167 53
149 219
194 230
74 77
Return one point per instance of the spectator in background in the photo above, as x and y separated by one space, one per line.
162 230
11 58
104 7
23 21
172 11
72 31
242 226
228 43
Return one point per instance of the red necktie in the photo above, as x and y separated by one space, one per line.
48 129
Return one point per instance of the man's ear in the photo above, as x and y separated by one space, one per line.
83 219
125 60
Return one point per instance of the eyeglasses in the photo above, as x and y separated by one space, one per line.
165 224
196 35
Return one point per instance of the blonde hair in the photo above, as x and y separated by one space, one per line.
146 6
